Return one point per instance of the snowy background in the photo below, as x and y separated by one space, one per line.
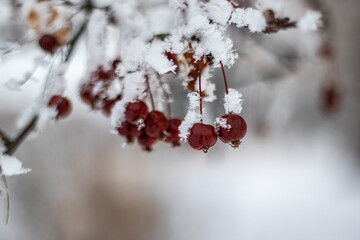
299 180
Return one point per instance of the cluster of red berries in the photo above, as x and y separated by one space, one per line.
203 136
95 91
148 127
62 106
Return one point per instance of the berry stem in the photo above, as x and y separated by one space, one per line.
223 71
201 112
150 93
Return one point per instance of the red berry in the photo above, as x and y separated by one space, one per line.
146 141
172 133
104 75
331 98
202 136
235 130
62 105
86 95
155 123
129 131
48 43
107 106
136 111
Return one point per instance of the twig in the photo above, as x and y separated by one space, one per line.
4 137
21 137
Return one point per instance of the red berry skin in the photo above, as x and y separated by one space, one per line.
155 123
236 131
172 133
104 75
48 43
146 141
331 98
62 105
107 106
86 95
172 58
129 131
202 136
135 111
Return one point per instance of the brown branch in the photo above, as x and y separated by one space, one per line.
4 137
12 147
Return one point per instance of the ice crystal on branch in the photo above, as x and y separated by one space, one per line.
233 101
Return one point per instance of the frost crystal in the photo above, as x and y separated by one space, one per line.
192 116
233 101
249 17
221 122
218 10
156 58
311 21
11 166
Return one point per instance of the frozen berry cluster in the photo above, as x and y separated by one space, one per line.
99 90
148 127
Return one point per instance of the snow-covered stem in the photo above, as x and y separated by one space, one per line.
14 144
4 137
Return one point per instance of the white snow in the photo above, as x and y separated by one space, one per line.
221 122
233 101
249 17
193 116
11 166
311 21
218 10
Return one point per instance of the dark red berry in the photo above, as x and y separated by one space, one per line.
107 106
172 133
86 95
330 98
129 131
155 123
136 111
202 136
48 43
104 75
234 131
62 106
146 141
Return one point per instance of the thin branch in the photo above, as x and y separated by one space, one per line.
4 137
21 137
